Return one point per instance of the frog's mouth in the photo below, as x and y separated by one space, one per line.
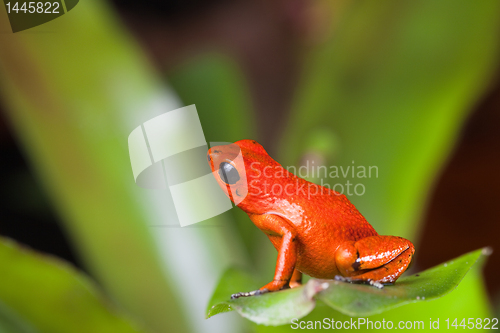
210 160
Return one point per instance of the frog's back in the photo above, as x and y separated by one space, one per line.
313 207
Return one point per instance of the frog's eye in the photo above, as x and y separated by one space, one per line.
228 173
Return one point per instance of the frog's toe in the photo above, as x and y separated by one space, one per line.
342 278
374 283
249 293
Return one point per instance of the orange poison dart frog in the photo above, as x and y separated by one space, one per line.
317 231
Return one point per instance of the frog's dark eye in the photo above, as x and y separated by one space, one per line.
228 173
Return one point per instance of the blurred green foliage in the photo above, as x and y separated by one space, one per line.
389 88
43 294
393 86
67 95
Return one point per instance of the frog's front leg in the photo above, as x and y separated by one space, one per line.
284 237
374 260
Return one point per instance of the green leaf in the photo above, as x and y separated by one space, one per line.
268 309
452 305
281 307
232 280
364 300
39 293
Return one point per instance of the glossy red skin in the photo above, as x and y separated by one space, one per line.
316 231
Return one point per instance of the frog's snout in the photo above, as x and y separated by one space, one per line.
209 160
212 156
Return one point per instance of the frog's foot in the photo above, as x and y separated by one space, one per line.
376 284
250 293
377 258
342 279
274 285
349 280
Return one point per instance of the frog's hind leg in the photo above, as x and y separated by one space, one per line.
379 259
296 280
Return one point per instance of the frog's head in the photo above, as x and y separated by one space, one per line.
244 171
